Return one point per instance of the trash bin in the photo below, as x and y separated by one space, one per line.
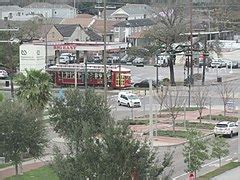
219 79
7 83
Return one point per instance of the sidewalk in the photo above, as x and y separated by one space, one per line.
27 166
166 124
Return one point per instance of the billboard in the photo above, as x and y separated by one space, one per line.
32 57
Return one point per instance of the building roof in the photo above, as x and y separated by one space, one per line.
132 9
137 35
98 25
66 30
83 20
92 35
10 8
47 5
135 23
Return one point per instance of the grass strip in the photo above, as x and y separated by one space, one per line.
38 174
134 122
170 133
220 170
196 125
220 117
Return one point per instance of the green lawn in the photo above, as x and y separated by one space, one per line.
220 117
196 125
43 173
5 165
169 133
220 170
134 122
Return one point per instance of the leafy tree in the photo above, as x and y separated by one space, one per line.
169 30
98 148
220 148
200 96
34 88
21 132
70 116
115 154
195 151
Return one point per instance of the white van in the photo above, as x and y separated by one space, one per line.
66 58
128 99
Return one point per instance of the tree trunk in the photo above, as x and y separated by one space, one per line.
225 109
173 121
220 162
172 78
200 117
135 175
16 169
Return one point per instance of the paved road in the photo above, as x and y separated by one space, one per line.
233 174
210 165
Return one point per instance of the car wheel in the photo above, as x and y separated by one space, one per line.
119 103
128 105
231 134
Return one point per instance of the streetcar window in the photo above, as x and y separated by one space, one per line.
72 74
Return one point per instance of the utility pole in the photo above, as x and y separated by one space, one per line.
191 38
105 51
151 112
204 60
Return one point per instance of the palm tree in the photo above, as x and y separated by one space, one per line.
34 88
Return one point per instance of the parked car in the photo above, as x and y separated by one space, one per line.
115 58
139 62
109 60
145 84
3 74
218 63
234 64
128 99
226 128
66 58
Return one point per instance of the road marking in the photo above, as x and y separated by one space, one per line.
214 165
210 163
179 176
228 159
234 139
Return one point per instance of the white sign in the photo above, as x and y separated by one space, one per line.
32 57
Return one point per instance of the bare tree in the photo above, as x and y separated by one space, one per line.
174 103
161 96
225 91
200 96
169 29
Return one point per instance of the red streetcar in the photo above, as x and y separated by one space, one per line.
64 75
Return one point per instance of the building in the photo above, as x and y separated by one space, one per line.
48 10
133 11
14 13
123 30
68 32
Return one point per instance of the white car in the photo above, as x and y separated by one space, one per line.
128 99
226 128
218 63
3 74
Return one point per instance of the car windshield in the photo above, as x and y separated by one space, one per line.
222 125
132 97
